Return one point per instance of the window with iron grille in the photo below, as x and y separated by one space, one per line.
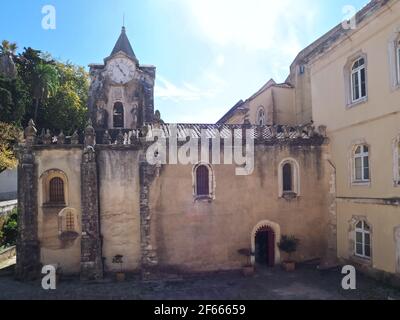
56 191
70 221
202 181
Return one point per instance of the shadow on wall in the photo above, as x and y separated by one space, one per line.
8 185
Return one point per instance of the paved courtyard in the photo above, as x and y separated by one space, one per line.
305 283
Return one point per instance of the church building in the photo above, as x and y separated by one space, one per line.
87 198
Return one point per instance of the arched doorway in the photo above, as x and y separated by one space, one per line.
273 236
265 247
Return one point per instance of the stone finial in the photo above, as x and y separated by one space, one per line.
311 130
274 131
48 138
75 138
157 118
61 138
134 137
42 134
106 138
30 133
246 121
286 132
299 132
144 131
322 131
90 134
120 138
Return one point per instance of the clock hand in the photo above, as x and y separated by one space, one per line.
121 71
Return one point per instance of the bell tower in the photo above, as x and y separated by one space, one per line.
121 94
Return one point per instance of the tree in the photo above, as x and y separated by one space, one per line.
45 84
9 135
8 48
67 109
9 232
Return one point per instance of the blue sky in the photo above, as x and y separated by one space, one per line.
209 54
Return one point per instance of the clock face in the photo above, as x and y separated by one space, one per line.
121 70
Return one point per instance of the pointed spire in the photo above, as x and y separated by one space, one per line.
123 45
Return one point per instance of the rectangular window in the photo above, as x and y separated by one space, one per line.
361 164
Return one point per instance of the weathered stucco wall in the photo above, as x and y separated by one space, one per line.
119 207
54 251
201 236
374 122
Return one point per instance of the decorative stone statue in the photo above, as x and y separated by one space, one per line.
101 116
47 139
75 138
61 138
134 113
106 138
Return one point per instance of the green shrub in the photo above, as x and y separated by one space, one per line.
9 232
289 244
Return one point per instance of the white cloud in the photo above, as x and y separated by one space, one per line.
253 24
166 90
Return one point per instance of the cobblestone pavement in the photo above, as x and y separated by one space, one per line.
268 284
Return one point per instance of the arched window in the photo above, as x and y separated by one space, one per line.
363 240
202 181
56 191
118 115
358 80
361 164
289 178
261 121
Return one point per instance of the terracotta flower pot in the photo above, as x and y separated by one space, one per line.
289 266
120 276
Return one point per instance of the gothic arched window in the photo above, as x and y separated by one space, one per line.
56 192
202 181
287 178
118 115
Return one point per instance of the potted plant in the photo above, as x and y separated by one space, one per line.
118 259
289 245
248 268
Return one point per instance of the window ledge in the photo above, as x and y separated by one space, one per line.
362 260
361 184
68 236
54 205
356 103
208 199
289 196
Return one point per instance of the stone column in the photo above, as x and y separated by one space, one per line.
28 248
149 254
91 246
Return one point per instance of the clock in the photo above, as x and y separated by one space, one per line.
121 70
